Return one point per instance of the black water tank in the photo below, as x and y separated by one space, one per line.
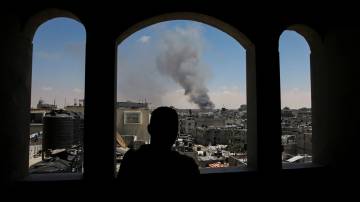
81 129
58 130
78 127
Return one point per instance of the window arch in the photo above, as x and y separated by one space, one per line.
57 92
41 17
233 32
214 23
299 48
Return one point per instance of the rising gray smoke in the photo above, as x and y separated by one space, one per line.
180 58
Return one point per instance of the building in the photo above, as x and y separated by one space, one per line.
75 108
187 125
209 122
37 114
286 112
132 121
42 105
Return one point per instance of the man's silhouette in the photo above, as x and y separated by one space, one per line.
158 159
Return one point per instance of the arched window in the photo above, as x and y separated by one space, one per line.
195 68
57 95
296 112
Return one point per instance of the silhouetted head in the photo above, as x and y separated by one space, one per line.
163 127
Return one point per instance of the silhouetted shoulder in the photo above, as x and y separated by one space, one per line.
126 163
188 165
148 161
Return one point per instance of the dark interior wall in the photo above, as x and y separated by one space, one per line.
341 48
334 75
15 82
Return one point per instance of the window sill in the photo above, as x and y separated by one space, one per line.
223 170
48 177
292 166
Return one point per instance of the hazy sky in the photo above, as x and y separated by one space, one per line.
59 65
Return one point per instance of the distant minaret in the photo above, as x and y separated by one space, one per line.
55 103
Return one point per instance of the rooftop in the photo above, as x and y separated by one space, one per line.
133 105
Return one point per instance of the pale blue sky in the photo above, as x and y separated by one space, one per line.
58 70
59 58
294 70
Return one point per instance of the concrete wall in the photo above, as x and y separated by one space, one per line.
138 130
335 136
35 128
15 88
76 109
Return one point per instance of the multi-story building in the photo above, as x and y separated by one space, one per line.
132 121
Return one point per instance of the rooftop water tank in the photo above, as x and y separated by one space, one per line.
58 130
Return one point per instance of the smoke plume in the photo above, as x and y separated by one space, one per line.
180 58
